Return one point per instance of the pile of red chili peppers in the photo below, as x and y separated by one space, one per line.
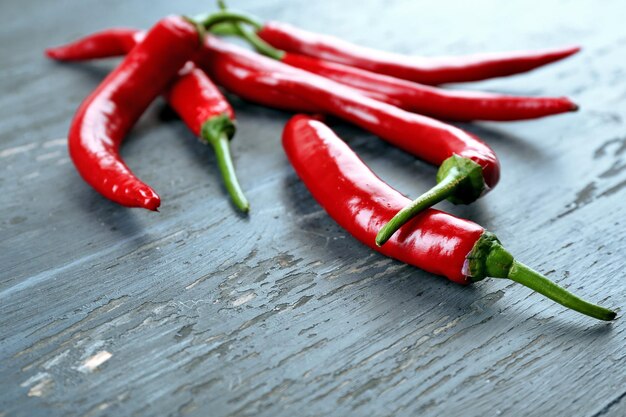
393 96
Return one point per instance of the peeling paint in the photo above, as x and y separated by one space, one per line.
17 150
244 299
43 383
90 364
55 142
46 156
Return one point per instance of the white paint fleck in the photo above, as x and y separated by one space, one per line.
49 155
55 142
90 364
55 360
31 175
89 347
244 299
18 149
35 378
43 383
40 389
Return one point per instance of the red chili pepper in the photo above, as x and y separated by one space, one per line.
426 100
209 115
104 44
86 48
434 241
108 113
469 168
424 70
432 101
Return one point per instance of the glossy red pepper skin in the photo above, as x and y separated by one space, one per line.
192 95
424 70
195 98
361 203
116 42
432 101
103 44
274 83
426 138
426 100
106 115
244 72
234 68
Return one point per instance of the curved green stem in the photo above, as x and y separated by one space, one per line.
217 132
459 180
225 29
489 259
235 29
537 282
259 44
201 30
444 189
232 17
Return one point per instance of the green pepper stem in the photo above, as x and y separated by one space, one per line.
216 132
225 29
259 44
489 259
537 282
232 17
444 189
235 29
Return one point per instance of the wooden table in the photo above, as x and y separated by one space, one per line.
197 310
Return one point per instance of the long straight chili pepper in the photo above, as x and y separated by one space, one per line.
426 100
424 70
411 96
107 114
432 101
434 241
209 115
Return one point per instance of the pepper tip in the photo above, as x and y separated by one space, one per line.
152 203
51 53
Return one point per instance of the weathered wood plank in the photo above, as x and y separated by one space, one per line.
196 310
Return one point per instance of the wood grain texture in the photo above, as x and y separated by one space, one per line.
106 311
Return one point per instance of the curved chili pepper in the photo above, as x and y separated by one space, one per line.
192 95
86 48
208 114
424 70
469 168
426 100
434 241
107 114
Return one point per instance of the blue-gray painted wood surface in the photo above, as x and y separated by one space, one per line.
195 310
